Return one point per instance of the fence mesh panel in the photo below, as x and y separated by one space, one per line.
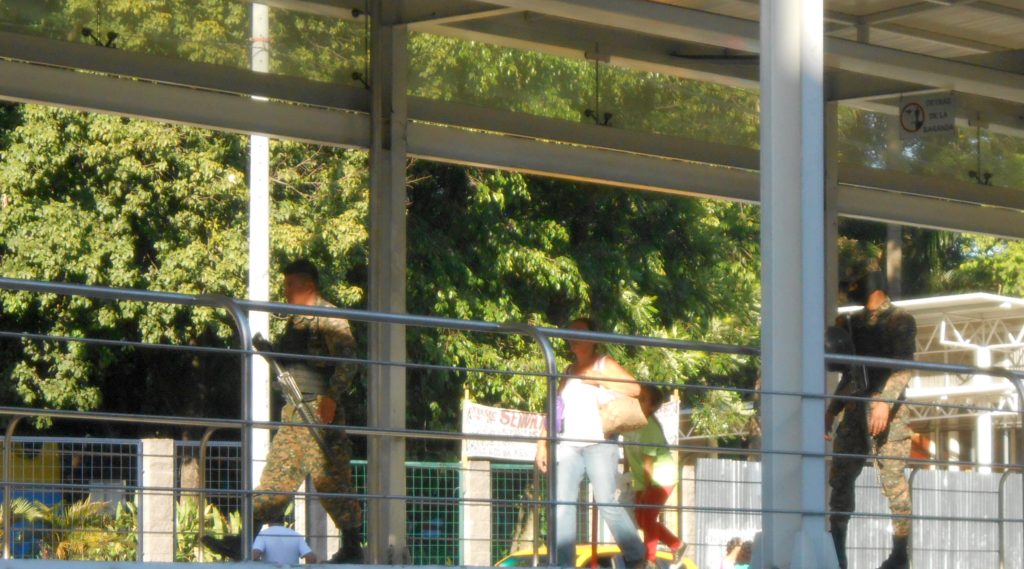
78 498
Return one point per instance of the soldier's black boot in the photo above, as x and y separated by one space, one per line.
229 546
839 539
351 551
898 558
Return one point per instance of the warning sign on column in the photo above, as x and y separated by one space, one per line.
927 115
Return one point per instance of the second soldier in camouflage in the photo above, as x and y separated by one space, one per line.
877 428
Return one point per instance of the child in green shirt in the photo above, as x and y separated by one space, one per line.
654 476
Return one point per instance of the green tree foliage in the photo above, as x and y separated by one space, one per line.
517 80
106 201
934 262
544 251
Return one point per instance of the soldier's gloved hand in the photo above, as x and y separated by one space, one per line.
327 410
878 421
262 344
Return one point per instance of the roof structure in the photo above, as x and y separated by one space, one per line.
876 51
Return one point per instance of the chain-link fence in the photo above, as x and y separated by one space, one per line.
74 495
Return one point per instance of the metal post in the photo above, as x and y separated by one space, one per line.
1002 519
241 320
386 287
551 365
535 508
201 512
910 489
793 297
8 515
259 244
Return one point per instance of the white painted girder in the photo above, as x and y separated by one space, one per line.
581 164
180 72
889 207
447 11
27 83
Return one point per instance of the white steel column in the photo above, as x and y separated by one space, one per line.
386 290
259 247
793 277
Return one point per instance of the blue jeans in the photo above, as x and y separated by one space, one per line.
600 462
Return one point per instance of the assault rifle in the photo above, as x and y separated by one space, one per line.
289 388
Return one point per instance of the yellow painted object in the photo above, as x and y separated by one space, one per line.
608 556
38 465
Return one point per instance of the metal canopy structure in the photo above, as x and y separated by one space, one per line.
807 57
705 40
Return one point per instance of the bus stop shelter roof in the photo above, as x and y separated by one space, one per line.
876 52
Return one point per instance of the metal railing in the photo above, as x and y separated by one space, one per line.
237 311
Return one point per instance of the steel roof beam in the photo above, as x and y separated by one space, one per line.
341 9
652 19
175 71
998 9
448 11
902 12
943 39
712 29
27 83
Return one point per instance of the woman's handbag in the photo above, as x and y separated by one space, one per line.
622 415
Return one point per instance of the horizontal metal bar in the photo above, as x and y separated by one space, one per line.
29 83
930 186
946 215
109 293
121 418
179 72
579 163
465 369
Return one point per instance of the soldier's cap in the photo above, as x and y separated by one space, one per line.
303 267
859 287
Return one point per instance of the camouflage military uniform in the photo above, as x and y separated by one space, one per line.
889 333
294 452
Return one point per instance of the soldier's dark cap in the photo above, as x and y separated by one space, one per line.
859 290
303 267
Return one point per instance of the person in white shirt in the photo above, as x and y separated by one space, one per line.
583 448
278 544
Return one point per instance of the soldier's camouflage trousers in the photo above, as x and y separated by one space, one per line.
852 438
293 454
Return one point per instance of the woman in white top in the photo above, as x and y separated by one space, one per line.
582 448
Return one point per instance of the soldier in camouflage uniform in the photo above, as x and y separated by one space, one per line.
294 453
877 428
